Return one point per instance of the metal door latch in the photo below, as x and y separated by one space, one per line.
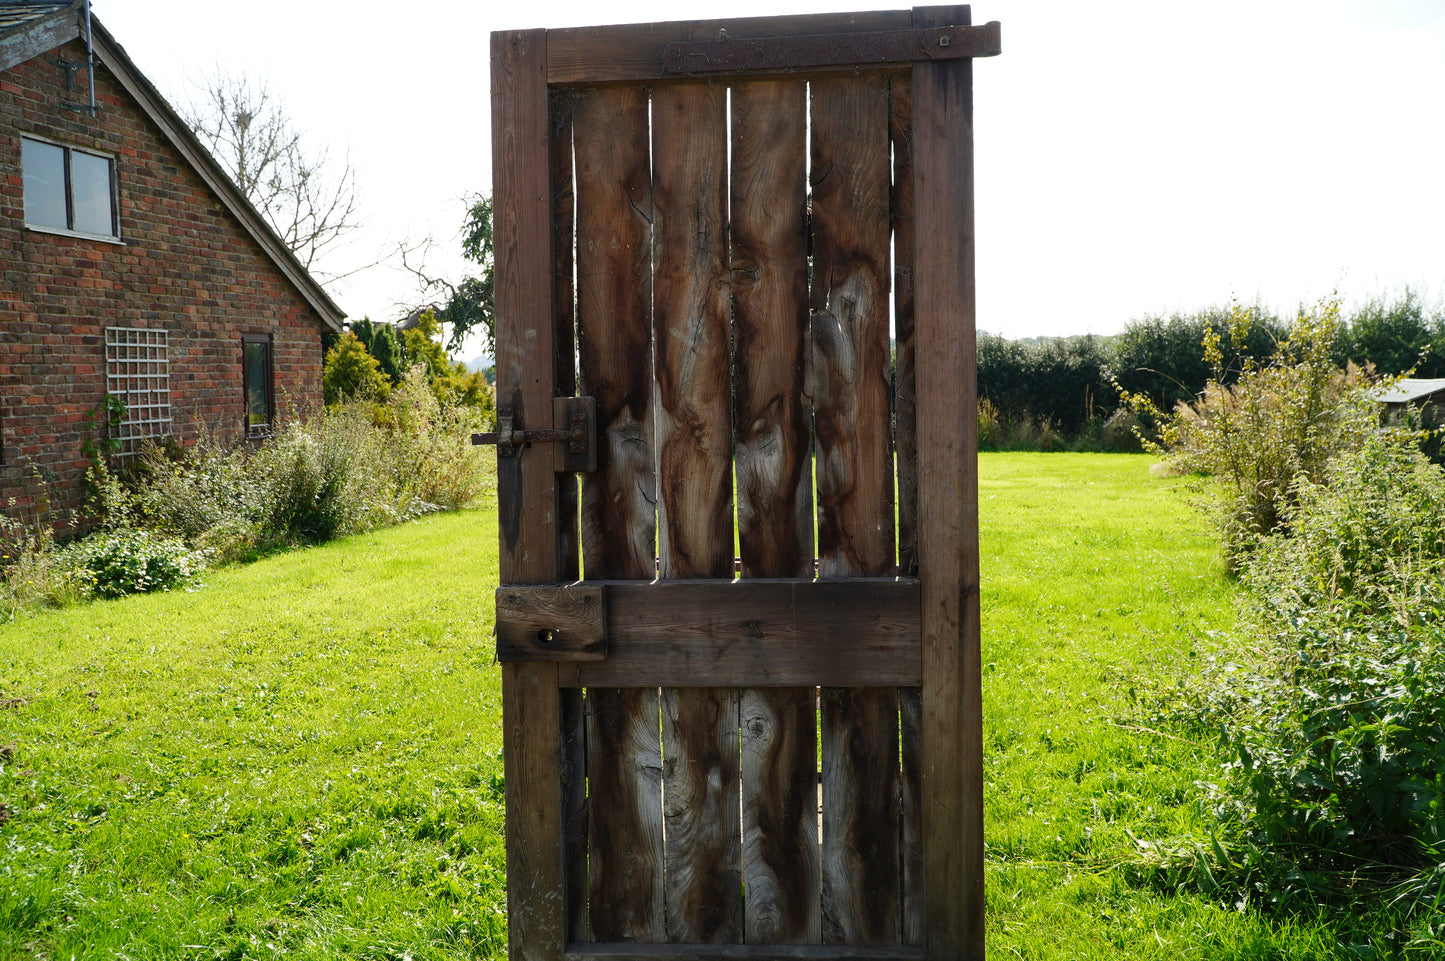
578 436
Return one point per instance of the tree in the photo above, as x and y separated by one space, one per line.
350 371
466 307
311 203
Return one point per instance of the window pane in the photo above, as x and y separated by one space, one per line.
90 187
43 165
258 384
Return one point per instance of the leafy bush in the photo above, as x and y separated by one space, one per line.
117 563
1279 420
1331 711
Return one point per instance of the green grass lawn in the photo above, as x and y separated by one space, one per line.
302 758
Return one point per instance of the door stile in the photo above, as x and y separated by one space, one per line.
948 498
526 489
774 496
618 524
848 383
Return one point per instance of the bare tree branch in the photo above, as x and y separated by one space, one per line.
309 199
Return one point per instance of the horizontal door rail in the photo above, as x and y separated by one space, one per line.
632 53
761 632
740 952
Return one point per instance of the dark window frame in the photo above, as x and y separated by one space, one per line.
258 431
69 188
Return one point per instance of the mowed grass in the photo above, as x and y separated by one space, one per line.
302 758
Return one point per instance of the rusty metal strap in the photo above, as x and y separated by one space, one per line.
872 49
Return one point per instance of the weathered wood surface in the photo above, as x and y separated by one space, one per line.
552 623
614 302
741 952
774 497
948 501
624 779
852 52
695 518
527 492
905 397
848 379
770 325
633 52
905 387
614 306
700 777
564 376
756 632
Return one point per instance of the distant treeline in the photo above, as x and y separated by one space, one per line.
1066 384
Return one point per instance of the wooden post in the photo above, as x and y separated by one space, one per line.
527 487
948 502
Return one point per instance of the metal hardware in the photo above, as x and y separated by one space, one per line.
577 439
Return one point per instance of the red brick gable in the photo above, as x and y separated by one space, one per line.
184 263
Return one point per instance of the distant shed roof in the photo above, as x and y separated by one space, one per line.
1410 389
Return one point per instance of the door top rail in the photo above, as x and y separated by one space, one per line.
632 53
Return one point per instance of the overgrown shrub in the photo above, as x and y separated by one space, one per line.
1280 419
116 563
1330 706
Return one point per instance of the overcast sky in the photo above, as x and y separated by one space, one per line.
1132 157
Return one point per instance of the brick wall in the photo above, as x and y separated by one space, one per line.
184 265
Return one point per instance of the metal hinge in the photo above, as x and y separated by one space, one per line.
577 434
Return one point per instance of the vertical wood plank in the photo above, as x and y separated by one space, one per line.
614 308
574 731
527 491
694 449
774 484
905 395
948 500
618 527
848 380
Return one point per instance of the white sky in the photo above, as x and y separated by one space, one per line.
1131 157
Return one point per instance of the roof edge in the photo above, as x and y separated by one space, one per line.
113 56
41 36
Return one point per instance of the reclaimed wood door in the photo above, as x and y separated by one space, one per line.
738 617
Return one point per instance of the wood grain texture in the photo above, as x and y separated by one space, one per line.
905 386
703 846
618 527
740 952
948 499
848 372
756 632
770 324
905 397
861 885
551 623
614 307
574 729
775 510
695 519
527 491
691 323
625 854
780 816
633 52
848 380
910 812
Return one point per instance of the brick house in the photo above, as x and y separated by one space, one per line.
130 266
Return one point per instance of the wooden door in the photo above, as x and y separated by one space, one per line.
738 617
